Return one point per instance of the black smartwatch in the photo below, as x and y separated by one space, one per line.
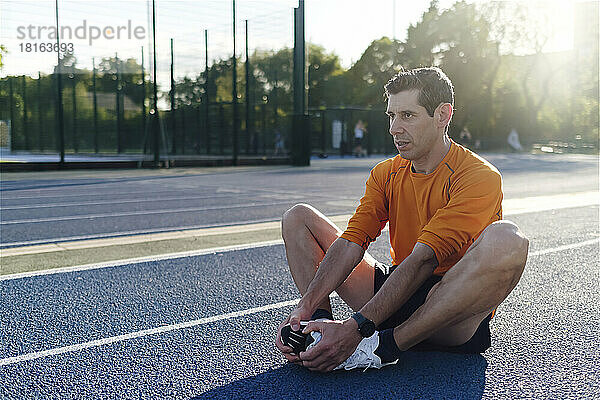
366 327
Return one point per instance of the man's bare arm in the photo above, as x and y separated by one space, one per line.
339 261
401 284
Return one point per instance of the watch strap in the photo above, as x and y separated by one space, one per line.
366 327
359 318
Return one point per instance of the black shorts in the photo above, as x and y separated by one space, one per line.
477 344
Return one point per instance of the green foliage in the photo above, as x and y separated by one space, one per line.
190 91
127 73
366 78
422 38
273 76
3 51
323 69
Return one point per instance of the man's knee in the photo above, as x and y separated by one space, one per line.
508 243
294 218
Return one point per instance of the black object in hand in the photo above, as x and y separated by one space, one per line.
295 339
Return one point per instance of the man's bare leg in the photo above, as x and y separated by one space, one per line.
307 234
469 291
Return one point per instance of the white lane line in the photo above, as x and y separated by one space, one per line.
94 195
145 332
564 247
247 192
128 234
132 213
98 203
551 202
134 179
202 321
138 260
237 192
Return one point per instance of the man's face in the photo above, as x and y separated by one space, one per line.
413 130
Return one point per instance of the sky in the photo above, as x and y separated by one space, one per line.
345 27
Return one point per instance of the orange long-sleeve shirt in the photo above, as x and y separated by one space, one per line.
446 209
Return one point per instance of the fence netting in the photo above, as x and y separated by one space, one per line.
106 70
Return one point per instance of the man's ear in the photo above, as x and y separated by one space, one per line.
443 114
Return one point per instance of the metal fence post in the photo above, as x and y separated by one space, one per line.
234 97
39 112
25 130
248 123
172 113
155 117
301 124
118 105
206 96
344 143
74 110
61 124
274 99
12 109
182 114
264 128
95 100
143 102
198 126
323 132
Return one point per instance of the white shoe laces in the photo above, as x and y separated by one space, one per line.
360 358
363 356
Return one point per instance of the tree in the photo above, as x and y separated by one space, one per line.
423 37
273 76
127 72
364 81
458 40
322 68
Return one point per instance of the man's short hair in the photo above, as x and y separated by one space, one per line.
433 85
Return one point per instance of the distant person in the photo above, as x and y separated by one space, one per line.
465 137
454 258
279 145
513 141
359 136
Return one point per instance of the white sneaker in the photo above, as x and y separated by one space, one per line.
363 357
314 337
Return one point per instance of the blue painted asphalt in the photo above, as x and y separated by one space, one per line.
249 197
241 196
544 335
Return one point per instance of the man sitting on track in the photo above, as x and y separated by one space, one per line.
455 259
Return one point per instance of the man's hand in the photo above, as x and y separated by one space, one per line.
338 342
299 314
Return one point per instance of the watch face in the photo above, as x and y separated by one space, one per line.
367 329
